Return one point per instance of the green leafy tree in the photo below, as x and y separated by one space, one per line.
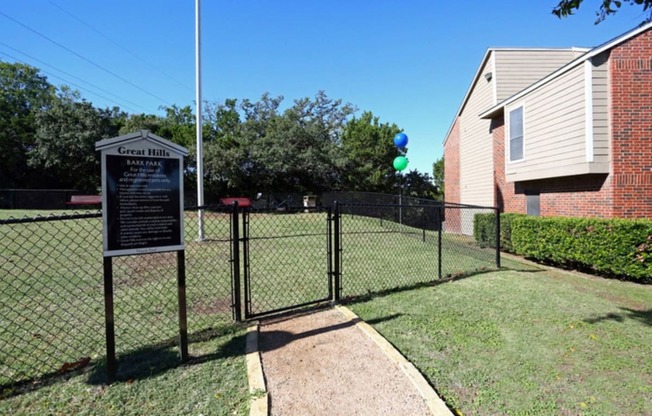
369 147
137 122
300 151
24 92
607 7
438 176
179 126
258 148
227 160
419 185
64 145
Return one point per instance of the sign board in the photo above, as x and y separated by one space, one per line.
142 194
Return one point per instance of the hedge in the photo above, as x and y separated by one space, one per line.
616 247
484 230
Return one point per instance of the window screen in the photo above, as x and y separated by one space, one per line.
533 204
516 134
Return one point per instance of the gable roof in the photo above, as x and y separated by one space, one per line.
498 108
478 72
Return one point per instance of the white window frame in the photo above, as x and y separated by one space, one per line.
508 147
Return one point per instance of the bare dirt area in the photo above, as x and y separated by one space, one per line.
321 363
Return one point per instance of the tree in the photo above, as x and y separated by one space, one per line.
227 159
419 185
64 145
23 94
608 7
137 122
256 148
369 147
438 175
300 151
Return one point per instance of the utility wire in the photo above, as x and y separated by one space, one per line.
86 59
149 64
122 99
69 82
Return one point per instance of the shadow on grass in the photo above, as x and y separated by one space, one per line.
137 364
272 340
645 317
449 278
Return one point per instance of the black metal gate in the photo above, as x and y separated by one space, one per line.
286 259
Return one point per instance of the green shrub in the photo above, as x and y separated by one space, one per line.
616 247
484 230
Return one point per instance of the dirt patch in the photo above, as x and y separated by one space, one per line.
322 364
138 271
211 306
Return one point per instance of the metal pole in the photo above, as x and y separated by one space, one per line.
329 249
336 251
440 213
400 198
498 237
111 362
235 244
198 118
181 293
245 259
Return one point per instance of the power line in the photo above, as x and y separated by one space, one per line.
70 75
68 82
85 59
146 62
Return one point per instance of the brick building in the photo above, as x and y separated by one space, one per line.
564 132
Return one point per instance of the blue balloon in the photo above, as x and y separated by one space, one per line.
400 140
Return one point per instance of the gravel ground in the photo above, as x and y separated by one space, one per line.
321 364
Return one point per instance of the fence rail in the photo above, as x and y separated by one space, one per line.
250 262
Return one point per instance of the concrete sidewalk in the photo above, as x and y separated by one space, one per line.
329 362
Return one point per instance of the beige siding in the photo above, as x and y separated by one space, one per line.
518 69
476 154
600 84
554 130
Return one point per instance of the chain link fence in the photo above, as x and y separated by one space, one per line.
287 259
51 284
52 299
385 247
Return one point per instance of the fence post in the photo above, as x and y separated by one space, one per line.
329 251
423 223
245 258
235 263
181 293
111 362
336 252
497 237
439 227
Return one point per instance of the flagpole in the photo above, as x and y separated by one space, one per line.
198 118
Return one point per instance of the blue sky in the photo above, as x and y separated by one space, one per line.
408 62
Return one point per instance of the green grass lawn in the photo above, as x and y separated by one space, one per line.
214 383
52 307
526 343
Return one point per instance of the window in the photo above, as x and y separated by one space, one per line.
516 134
532 203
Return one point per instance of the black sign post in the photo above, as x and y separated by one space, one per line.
142 212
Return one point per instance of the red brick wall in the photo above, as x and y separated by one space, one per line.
504 192
630 66
572 196
627 191
575 196
452 177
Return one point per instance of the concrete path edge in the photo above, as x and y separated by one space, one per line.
259 403
433 401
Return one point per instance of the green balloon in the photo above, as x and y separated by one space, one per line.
400 163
